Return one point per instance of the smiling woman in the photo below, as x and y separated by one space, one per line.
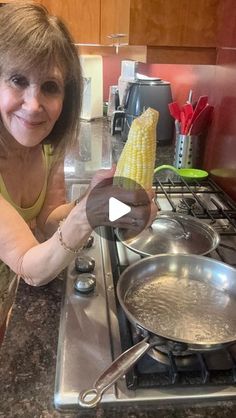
37 56
40 100
40 85
29 103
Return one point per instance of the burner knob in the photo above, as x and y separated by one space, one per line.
85 283
84 264
89 242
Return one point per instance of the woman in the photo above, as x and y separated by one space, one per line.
40 97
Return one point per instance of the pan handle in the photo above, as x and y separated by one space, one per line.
91 397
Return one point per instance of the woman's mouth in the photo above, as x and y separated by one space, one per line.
29 123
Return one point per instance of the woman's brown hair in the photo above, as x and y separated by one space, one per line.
32 39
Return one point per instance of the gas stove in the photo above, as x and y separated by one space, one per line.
94 330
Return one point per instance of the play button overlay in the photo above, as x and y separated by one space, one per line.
115 206
117 209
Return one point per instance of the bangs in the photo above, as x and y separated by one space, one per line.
42 63
35 43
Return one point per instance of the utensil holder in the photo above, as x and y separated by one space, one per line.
187 152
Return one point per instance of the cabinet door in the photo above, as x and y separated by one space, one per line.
189 23
81 16
115 16
184 23
2 2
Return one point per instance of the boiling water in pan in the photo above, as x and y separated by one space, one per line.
182 309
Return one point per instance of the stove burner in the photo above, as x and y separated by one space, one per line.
182 361
187 203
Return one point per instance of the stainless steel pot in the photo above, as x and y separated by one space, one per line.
172 233
176 300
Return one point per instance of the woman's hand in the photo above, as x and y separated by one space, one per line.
103 175
143 208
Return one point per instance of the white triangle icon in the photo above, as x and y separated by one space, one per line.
117 209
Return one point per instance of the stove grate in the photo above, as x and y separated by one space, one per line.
213 368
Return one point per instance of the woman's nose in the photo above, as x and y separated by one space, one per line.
32 98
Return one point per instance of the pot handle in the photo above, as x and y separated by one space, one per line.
116 370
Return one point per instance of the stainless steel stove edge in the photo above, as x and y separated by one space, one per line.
88 334
159 397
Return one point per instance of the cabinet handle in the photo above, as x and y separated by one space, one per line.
117 37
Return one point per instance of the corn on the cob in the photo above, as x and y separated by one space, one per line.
136 162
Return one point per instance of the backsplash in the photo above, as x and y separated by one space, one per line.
219 83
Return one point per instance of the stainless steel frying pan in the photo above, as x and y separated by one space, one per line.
175 300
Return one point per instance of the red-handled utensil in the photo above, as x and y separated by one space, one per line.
201 103
188 126
202 121
188 112
174 110
182 122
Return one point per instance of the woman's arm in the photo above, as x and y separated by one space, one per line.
55 207
38 263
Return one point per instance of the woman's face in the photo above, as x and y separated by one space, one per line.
30 104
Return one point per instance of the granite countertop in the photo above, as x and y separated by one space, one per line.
28 357
28 362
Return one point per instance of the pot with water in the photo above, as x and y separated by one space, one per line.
182 302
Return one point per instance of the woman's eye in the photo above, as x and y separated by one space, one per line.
19 81
51 87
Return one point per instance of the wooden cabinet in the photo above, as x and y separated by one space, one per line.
161 22
156 31
2 2
81 16
171 25
115 19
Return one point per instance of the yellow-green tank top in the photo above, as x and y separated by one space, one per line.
31 212
8 279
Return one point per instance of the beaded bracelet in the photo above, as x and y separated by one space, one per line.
69 249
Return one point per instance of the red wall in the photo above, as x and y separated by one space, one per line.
218 82
111 73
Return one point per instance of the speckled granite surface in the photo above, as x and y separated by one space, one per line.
28 356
